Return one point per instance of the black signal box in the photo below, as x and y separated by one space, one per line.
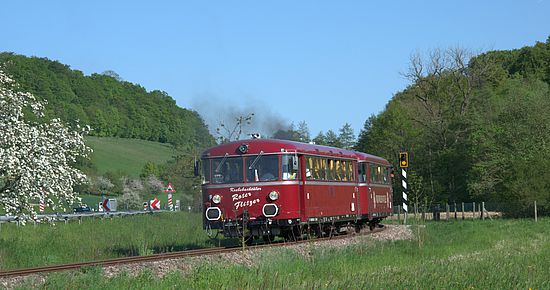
403 159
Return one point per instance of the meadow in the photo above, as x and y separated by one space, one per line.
498 254
95 239
126 155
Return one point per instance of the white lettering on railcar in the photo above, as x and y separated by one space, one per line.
380 198
240 189
244 203
237 196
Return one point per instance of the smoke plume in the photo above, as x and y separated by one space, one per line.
217 111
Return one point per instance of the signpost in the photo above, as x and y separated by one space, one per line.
155 204
108 204
169 188
404 163
170 206
42 206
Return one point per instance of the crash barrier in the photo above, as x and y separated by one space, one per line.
59 217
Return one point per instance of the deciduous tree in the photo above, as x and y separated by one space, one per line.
35 158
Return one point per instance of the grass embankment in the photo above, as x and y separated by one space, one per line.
500 254
126 155
94 239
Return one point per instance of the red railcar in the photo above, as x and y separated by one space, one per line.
266 188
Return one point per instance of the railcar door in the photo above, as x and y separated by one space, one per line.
363 198
380 186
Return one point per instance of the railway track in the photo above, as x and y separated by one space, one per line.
166 256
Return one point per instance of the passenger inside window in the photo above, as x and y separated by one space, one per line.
290 167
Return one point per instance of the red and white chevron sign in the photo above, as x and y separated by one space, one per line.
155 204
106 205
170 201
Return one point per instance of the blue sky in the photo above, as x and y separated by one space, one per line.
324 62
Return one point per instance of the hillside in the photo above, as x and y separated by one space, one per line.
127 156
476 128
111 106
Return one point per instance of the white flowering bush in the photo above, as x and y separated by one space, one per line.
154 184
35 158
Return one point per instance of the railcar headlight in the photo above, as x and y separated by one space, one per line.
216 199
274 195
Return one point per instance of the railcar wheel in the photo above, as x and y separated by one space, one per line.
269 238
249 241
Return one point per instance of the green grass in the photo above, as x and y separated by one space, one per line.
31 246
500 254
126 155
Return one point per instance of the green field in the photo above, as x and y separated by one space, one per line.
93 239
126 155
499 254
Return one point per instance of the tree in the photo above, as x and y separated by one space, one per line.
303 132
332 139
36 159
347 137
320 139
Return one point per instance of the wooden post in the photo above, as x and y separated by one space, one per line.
536 211
455 211
423 213
399 212
473 210
463 210
483 210
479 210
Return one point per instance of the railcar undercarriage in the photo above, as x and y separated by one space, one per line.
290 229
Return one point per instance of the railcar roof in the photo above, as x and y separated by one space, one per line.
277 146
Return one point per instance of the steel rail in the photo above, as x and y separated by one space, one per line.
167 256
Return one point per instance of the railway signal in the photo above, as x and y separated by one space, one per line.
403 159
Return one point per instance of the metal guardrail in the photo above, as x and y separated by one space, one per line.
72 216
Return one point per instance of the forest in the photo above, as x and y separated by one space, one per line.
111 106
476 127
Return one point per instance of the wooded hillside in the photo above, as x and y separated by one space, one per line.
476 127
111 106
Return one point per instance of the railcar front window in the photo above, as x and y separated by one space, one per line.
266 168
206 170
229 170
289 167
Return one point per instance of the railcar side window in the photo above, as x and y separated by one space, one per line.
289 171
227 170
351 176
318 168
362 172
379 174
339 170
331 169
265 169
206 171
